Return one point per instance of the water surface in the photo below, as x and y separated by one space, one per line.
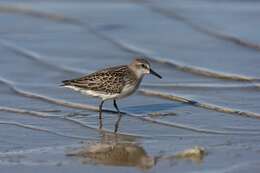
207 53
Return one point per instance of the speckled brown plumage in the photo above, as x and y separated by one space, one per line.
112 83
111 80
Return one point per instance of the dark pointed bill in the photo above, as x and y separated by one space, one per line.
155 74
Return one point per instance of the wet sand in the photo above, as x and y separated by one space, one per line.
203 116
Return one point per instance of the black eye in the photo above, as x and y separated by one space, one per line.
143 66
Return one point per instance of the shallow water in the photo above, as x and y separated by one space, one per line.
208 97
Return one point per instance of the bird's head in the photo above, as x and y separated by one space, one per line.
141 67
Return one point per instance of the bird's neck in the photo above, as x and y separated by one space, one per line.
139 74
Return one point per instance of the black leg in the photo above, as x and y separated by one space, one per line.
100 114
117 123
119 117
100 109
115 105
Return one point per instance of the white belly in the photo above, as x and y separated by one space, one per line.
101 95
128 90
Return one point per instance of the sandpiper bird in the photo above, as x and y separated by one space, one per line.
112 83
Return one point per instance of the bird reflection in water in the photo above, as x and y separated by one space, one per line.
110 151
116 126
116 150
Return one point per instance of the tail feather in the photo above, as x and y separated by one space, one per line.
65 82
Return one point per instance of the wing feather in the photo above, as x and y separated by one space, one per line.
110 80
